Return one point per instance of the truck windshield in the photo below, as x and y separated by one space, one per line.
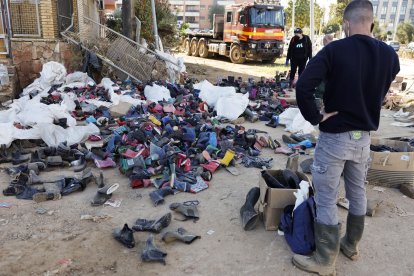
266 17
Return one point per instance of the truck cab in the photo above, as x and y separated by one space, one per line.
258 29
252 31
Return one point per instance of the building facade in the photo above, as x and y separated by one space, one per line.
195 12
392 12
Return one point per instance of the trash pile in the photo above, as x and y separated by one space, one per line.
169 136
160 134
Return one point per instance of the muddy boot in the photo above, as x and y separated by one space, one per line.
18 158
88 177
52 192
152 253
34 178
293 162
152 225
354 230
78 165
323 259
249 216
188 212
157 196
103 194
251 115
124 236
180 234
100 181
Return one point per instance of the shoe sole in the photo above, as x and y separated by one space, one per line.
316 272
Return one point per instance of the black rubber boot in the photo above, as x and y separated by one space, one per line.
354 230
188 212
152 253
78 165
157 196
103 194
327 248
124 236
181 235
249 216
291 179
271 181
152 225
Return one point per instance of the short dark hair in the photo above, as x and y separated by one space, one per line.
359 11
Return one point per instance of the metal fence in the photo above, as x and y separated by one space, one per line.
25 18
115 49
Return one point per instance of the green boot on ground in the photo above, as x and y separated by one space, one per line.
354 230
323 259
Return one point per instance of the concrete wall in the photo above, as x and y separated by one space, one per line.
30 55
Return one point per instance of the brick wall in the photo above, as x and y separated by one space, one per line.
47 18
30 55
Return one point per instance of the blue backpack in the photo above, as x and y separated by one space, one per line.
298 227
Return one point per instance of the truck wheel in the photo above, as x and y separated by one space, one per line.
193 47
270 61
187 47
236 55
202 48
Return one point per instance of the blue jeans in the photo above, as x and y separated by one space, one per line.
337 153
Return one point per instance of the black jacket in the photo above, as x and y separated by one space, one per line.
358 72
302 52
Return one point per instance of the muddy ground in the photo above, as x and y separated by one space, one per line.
59 243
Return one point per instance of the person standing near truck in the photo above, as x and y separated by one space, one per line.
299 52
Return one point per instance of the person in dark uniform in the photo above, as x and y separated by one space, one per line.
299 52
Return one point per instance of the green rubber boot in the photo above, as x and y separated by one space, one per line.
354 230
323 259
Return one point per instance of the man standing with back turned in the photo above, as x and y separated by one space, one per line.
358 71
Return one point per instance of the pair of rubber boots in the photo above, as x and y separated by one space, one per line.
328 244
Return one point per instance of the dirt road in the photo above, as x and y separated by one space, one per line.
59 243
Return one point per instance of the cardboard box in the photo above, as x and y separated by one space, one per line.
391 169
273 201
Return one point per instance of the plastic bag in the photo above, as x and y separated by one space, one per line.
294 121
211 93
231 107
156 93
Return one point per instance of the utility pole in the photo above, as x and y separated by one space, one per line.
312 20
154 20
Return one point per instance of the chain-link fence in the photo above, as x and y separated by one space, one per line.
115 49
25 18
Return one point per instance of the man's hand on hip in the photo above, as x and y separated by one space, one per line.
326 116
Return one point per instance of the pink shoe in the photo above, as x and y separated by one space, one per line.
107 163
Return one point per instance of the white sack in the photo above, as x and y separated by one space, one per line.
211 93
156 93
231 107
